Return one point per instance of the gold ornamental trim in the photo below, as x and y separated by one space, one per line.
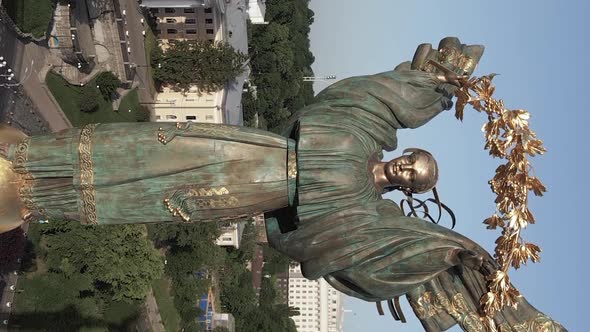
87 175
20 156
430 304
536 324
26 179
186 201
292 165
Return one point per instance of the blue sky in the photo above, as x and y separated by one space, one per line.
540 48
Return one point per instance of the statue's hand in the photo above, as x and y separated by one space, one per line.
453 79
452 55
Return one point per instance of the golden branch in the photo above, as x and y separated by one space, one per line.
508 137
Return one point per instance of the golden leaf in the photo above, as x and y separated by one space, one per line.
499 281
489 303
533 251
534 146
462 100
512 295
536 186
528 215
493 222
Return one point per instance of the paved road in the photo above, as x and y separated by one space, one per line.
28 62
7 295
135 27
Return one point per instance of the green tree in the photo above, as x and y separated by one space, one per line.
275 261
280 59
119 260
88 101
108 84
209 66
143 114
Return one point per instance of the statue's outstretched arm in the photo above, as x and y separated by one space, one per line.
407 97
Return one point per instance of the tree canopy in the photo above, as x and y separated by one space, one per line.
89 99
280 59
119 261
208 66
108 84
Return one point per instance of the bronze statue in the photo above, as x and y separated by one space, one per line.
320 186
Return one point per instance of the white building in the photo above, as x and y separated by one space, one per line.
231 236
256 11
319 303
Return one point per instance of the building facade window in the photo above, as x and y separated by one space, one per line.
155 10
190 21
189 10
191 32
171 31
169 10
171 117
210 31
208 117
208 21
208 10
170 20
191 117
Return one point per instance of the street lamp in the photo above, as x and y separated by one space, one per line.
318 78
8 77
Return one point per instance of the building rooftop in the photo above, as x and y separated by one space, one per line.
176 3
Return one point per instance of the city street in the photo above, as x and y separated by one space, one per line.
27 62
133 17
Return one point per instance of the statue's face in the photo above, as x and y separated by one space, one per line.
416 172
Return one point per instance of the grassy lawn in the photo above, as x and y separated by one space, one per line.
68 97
31 15
49 302
121 316
170 317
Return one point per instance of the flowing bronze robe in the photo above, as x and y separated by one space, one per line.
153 172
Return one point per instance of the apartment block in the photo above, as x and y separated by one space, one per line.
319 303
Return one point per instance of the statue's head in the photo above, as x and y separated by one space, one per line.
415 171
